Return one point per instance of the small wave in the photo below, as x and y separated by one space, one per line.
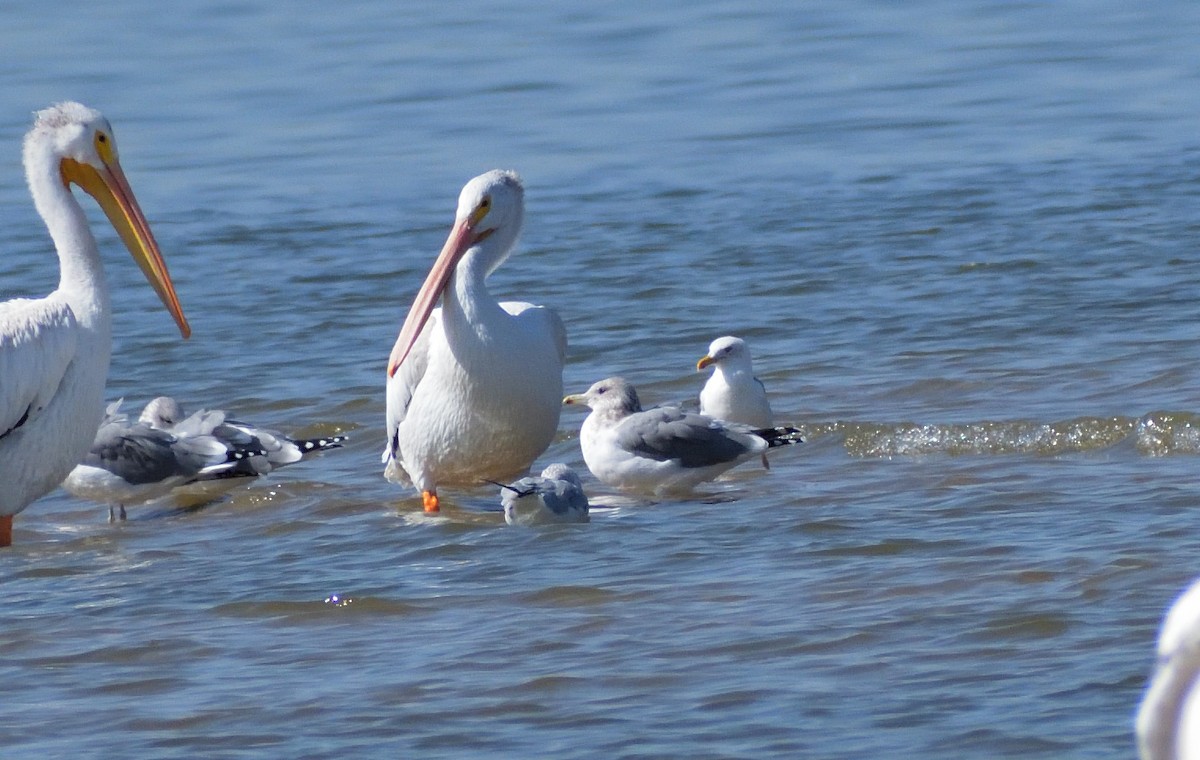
1162 433
333 607
1155 434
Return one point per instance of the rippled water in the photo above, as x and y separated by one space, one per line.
960 239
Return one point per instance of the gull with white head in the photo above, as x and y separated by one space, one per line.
732 392
274 449
279 450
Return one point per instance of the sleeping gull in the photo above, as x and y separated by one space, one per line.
556 496
165 413
663 449
1168 722
733 393
276 449
132 463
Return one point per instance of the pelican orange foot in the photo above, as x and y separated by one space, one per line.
430 500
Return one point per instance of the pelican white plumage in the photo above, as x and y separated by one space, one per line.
1168 722
54 351
474 387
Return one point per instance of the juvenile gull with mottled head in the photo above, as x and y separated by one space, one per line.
665 449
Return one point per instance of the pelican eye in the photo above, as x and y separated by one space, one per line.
481 210
104 146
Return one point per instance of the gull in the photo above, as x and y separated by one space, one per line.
271 448
131 463
732 392
166 413
556 496
665 449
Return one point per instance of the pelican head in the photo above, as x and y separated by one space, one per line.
726 348
491 208
81 142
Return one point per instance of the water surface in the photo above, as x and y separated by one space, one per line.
959 238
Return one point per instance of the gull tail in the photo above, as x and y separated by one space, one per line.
313 445
779 436
240 462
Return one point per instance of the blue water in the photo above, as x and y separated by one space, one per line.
960 238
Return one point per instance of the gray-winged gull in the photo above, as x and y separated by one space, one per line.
732 392
664 449
277 449
131 462
556 496
165 413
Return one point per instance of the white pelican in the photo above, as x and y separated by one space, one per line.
556 496
54 351
131 462
732 392
1168 722
664 449
473 388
